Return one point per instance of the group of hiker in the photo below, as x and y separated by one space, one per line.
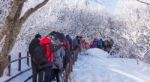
102 44
51 54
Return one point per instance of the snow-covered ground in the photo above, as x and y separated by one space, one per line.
94 65
14 71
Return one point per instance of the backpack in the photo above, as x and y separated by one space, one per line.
40 59
58 59
60 36
75 43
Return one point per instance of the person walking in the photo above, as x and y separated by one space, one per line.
34 44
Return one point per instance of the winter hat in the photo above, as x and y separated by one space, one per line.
53 32
37 36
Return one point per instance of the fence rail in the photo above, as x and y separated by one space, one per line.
68 69
20 58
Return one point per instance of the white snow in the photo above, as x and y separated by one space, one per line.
128 27
95 65
21 47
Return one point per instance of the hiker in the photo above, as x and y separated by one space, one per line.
106 45
80 38
58 57
61 38
75 43
76 47
83 44
94 44
69 39
68 49
48 58
67 58
87 46
50 49
100 43
35 43
111 43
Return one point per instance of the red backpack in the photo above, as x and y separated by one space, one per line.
46 42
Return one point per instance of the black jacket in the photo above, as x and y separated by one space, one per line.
34 43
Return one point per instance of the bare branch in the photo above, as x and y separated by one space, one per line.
31 11
143 2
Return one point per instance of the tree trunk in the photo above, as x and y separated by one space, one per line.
13 26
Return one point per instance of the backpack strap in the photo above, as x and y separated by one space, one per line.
48 53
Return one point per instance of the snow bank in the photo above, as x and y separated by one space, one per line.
97 52
94 65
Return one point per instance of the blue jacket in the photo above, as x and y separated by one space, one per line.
100 42
69 39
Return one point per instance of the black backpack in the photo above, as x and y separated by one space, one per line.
40 59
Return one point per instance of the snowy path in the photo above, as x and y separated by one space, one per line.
14 71
94 65
23 77
97 67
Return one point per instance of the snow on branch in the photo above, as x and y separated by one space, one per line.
143 2
31 11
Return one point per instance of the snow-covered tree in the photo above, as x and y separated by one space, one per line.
129 27
134 28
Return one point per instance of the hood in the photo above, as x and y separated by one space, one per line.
45 41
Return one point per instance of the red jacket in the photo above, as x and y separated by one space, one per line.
47 43
86 45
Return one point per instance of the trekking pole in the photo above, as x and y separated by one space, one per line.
28 59
19 62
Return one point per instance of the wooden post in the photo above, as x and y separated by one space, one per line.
19 62
28 59
9 65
